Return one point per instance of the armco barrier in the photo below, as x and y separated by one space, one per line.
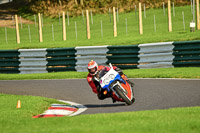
156 55
153 55
61 59
85 54
124 57
32 61
187 54
9 61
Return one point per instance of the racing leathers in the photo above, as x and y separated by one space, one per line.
94 84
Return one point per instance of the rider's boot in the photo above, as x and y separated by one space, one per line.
113 100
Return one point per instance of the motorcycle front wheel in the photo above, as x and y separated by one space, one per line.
119 91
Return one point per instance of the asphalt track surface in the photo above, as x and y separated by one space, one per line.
150 94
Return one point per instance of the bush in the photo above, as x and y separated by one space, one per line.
53 7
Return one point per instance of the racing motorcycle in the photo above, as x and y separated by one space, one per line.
116 86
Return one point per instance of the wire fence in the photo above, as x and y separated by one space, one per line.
155 21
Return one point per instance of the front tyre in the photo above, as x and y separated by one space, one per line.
122 95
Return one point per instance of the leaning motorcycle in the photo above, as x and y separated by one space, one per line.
116 86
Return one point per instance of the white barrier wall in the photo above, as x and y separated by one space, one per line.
86 54
156 55
32 61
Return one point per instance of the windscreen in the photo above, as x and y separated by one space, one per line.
103 72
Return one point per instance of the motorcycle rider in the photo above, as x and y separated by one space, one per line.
94 70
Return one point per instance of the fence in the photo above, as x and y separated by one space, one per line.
154 55
154 21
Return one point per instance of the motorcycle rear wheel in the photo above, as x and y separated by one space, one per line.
122 95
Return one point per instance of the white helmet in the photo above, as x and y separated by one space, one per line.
92 67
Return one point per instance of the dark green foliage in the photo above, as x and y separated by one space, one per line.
53 7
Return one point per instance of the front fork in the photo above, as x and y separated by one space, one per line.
122 88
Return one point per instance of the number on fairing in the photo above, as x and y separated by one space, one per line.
108 77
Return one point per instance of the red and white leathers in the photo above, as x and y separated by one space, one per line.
93 84
94 70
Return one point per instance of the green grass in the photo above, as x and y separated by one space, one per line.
177 120
30 106
133 37
189 72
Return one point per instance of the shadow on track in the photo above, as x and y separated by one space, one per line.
103 105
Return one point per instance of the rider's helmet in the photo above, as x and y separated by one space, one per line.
92 67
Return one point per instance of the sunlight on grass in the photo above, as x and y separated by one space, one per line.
177 120
187 72
124 38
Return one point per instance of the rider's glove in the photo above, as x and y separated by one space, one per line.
119 71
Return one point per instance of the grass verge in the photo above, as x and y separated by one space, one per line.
30 106
179 120
128 33
189 72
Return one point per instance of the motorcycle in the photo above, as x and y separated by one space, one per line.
115 86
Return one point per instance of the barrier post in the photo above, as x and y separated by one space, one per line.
17 29
169 17
109 14
40 27
198 21
6 36
81 1
114 23
88 24
29 33
64 27
140 18
164 8
35 20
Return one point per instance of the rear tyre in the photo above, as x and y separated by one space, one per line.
122 95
